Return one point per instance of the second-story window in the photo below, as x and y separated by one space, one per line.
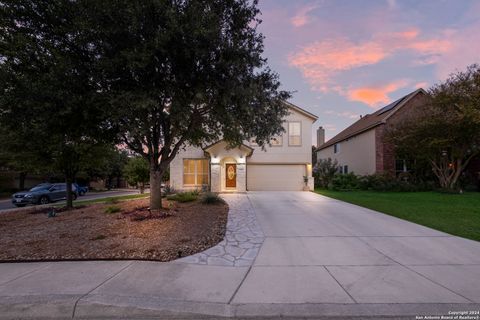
336 148
294 133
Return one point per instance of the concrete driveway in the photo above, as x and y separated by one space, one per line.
354 255
301 254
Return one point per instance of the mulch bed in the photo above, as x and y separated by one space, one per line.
132 233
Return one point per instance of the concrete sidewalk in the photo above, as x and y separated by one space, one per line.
318 258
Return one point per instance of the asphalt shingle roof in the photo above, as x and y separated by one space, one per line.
369 121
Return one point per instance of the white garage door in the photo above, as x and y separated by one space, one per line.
275 177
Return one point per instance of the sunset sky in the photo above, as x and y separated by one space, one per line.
346 58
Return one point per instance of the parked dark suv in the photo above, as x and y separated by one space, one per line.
81 190
42 194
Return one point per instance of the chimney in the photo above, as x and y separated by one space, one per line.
320 136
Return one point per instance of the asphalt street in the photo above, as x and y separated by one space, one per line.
6 204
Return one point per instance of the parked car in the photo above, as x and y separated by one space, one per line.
81 190
42 194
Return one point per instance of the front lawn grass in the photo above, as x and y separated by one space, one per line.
456 214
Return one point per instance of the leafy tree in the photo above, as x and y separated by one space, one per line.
49 97
186 72
137 171
445 132
324 172
108 163
20 156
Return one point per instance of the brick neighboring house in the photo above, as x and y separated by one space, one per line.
362 149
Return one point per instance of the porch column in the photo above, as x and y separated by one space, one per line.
215 183
241 177
310 184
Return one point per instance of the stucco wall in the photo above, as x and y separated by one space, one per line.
283 154
357 152
286 153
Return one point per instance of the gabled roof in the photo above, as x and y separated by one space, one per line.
242 145
371 120
302 111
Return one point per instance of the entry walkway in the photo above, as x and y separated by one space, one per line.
294 254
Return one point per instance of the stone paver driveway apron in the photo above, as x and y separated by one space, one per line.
285 254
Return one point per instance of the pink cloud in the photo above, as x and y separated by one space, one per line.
408 34
375 96
301 17
321 61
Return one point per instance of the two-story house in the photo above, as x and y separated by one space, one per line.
362 148
284 164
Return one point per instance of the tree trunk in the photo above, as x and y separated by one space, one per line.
448 174
155 189
21 180
69 181
456 175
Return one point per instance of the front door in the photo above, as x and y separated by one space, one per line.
231 175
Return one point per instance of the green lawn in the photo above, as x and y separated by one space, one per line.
457 214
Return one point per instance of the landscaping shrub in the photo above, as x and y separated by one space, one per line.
379 182
386 182
184 196
169 190
211 198
112 209
344 182
468 182
324 172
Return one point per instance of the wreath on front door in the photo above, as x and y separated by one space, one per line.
231 173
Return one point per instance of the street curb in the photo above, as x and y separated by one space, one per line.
144 307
